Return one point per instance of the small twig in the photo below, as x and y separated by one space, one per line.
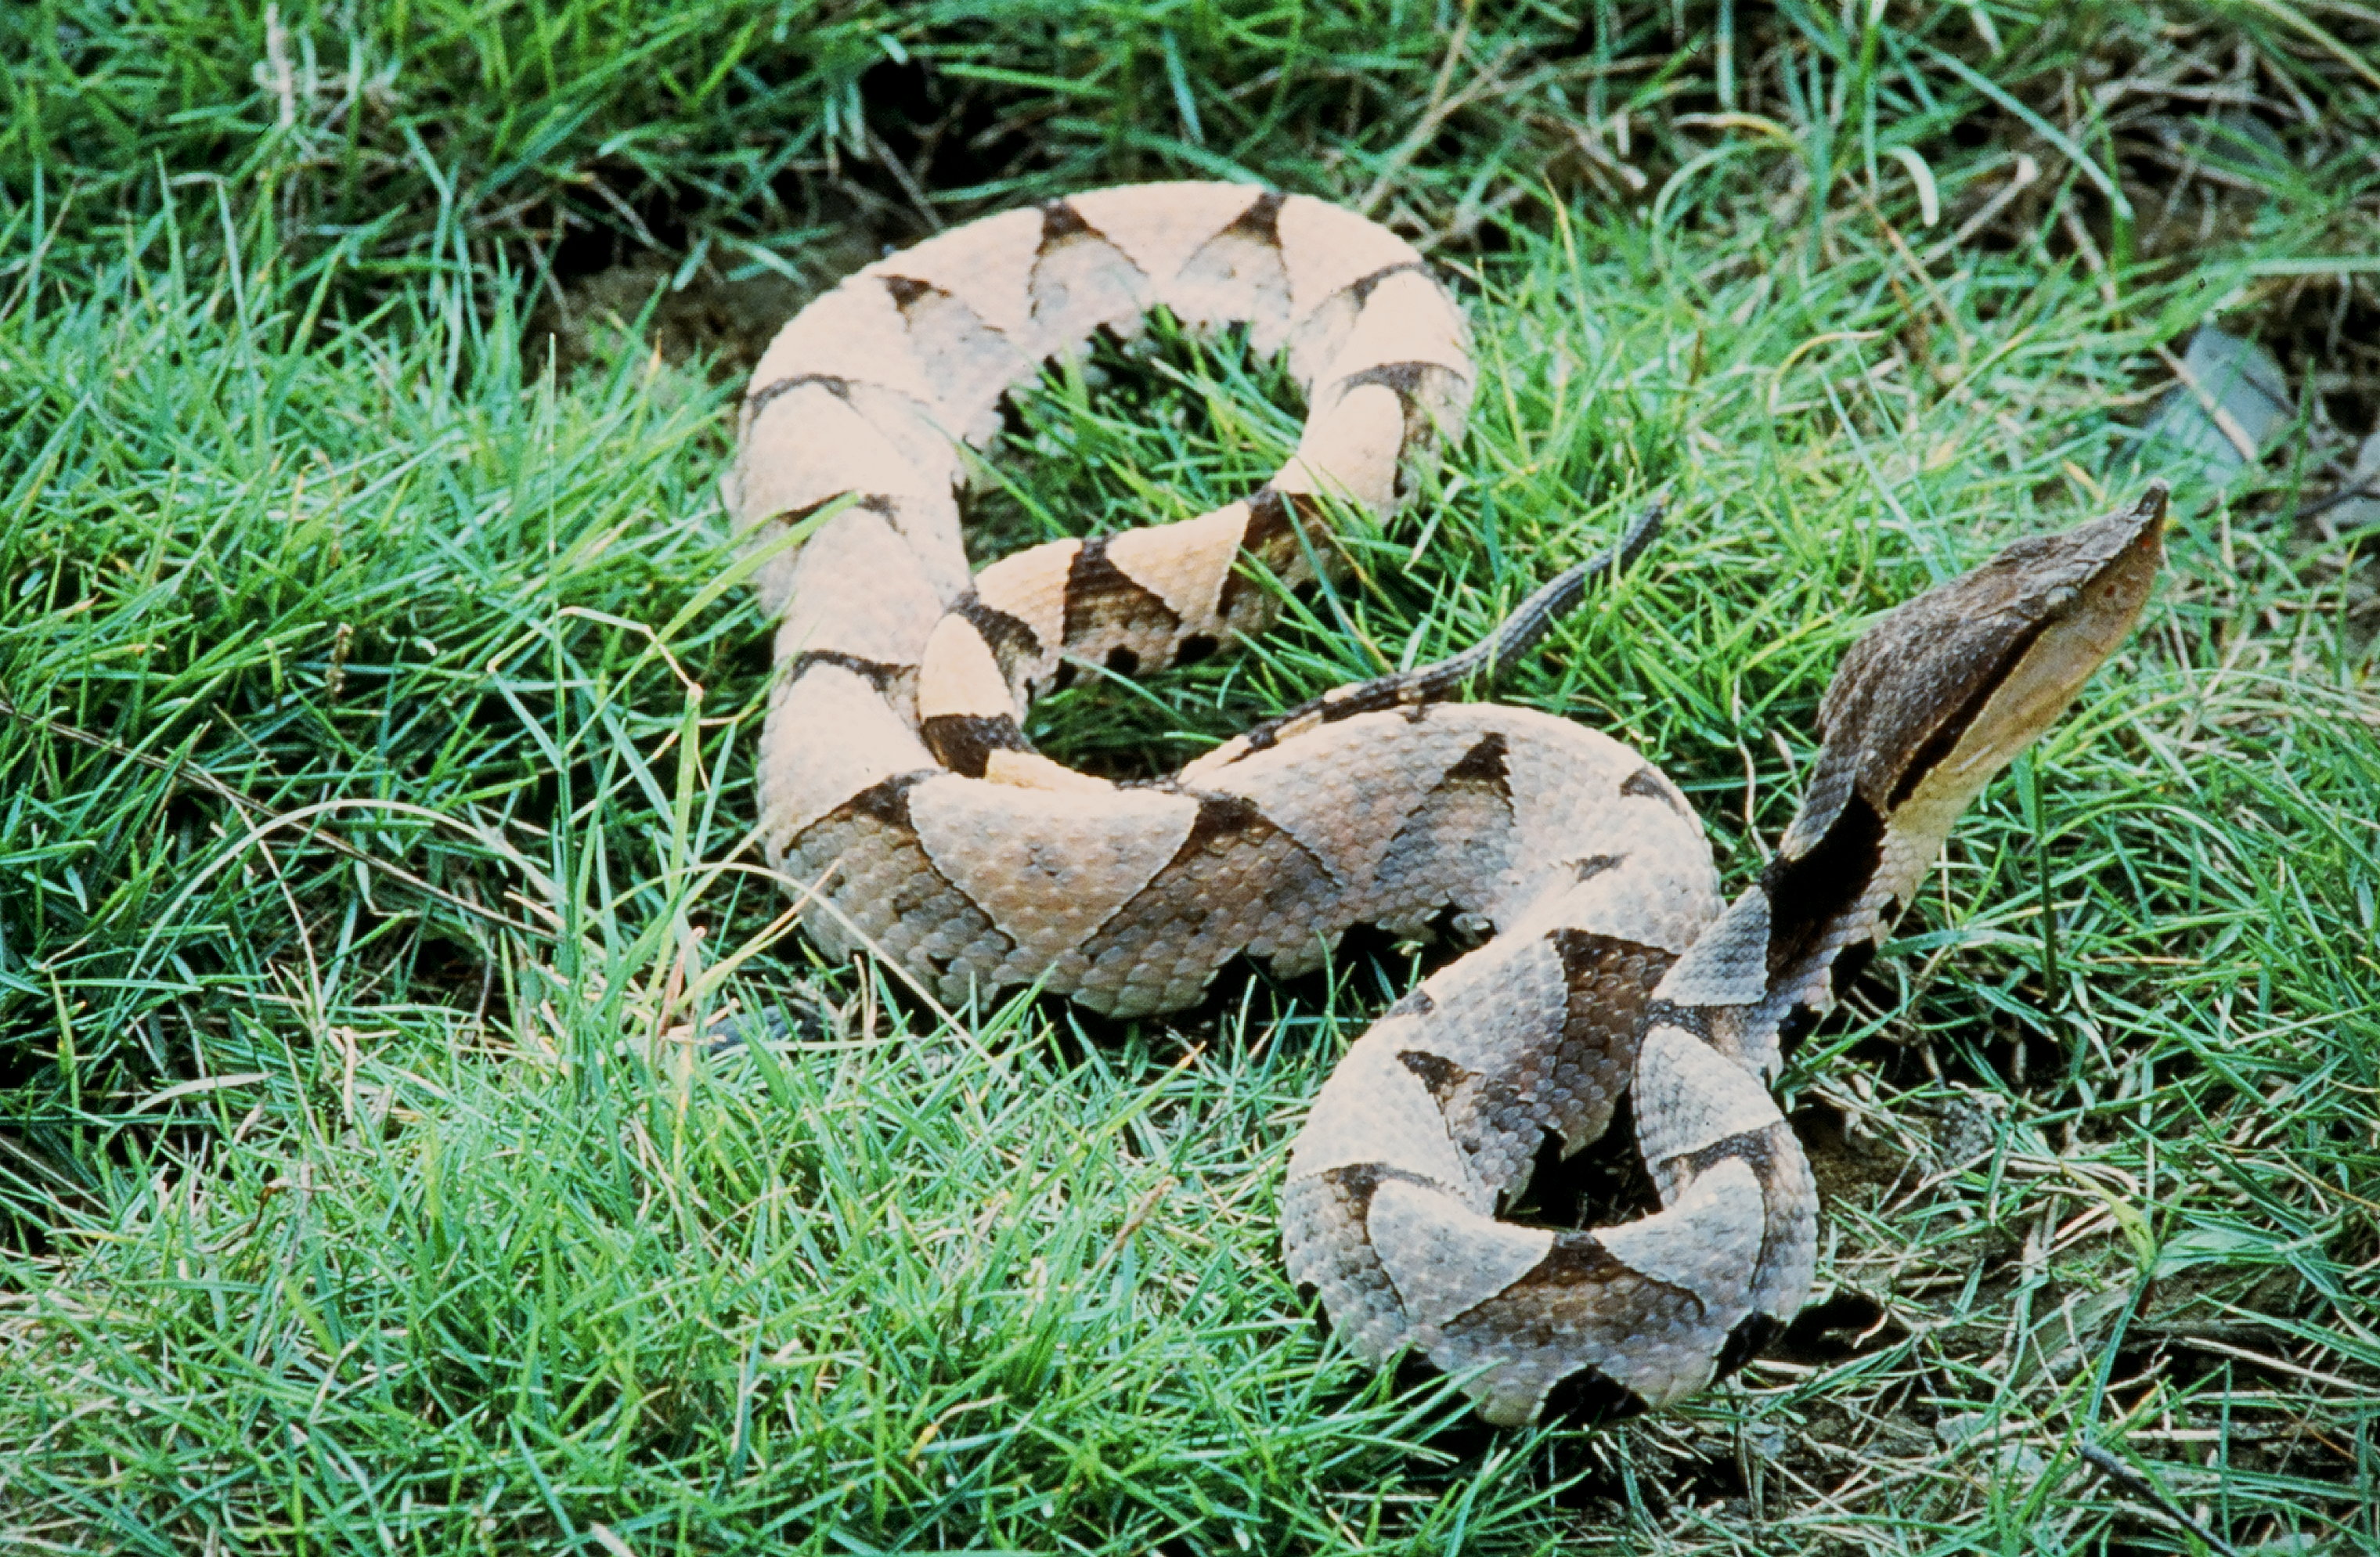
2214 409
1146 1206
903 176
1453 52
2132 1481
2027 170
626 211
2205 1344
2368 487
2088 247
1440 109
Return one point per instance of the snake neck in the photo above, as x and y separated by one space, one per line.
1763 973
1928 705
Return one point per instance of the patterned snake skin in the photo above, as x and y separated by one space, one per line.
902 795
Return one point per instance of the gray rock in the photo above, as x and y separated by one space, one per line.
2185 439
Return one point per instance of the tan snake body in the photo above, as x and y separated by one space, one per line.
900 791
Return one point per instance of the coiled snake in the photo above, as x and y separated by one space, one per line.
900 791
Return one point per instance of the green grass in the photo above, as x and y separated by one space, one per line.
380 790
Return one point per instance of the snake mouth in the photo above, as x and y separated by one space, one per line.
2138 537
2096 579
1945 690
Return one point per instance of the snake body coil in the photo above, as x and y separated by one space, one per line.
901 793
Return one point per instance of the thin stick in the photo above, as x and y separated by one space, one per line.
2132 1481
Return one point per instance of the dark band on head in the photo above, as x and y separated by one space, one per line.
1945 739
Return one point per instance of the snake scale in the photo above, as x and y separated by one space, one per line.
902 798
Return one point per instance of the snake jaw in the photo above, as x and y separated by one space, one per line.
2082 594
1946 688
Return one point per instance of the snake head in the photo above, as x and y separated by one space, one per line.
1947 690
